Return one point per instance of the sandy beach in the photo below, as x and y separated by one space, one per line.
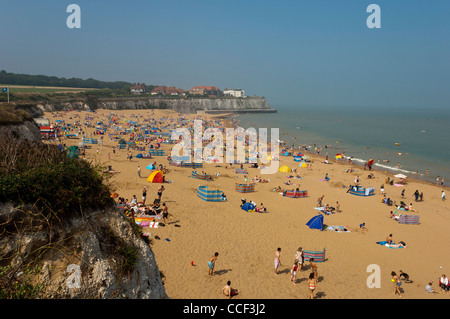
247 241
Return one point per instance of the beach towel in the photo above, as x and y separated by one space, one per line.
384 243
338 229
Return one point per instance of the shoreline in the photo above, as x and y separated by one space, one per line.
360 162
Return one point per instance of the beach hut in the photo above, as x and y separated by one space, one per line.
155 177
249 207
285 169
209 195
316 222
244 188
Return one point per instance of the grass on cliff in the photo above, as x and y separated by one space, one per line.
45 177
10 115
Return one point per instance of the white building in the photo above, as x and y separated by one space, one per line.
234 92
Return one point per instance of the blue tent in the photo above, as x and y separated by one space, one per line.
316 222
249 207
151 166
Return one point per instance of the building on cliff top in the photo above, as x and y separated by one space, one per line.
138 88
167 90
205 90
234 92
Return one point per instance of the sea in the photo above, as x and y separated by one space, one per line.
414 142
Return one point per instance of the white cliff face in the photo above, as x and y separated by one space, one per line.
85 242
188 105
179 104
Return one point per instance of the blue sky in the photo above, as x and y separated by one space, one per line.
306 53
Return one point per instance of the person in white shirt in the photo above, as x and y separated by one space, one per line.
443 282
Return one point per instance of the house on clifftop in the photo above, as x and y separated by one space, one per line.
137 88
205 90
168 90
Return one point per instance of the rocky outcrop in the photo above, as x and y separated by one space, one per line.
83 258
27 130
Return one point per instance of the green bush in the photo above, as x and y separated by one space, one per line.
46 177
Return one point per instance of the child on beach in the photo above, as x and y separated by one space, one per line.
312 282
313 267
294 271
277 260
212 263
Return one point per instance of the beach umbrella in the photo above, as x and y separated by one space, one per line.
316 222
155 177
285 169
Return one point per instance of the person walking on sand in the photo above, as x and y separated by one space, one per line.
294 272
277 260
443 195
160 191
319 201
312 282
165 212
397 283
300 257
212 263
139 171
144 195
313 267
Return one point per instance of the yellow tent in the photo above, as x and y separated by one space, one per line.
285 169
302 164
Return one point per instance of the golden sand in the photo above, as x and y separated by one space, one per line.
247 241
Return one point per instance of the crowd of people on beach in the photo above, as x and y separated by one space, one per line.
158 209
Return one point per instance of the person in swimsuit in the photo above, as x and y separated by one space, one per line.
160 190
312 281
299 256
313 267
165 212
294 271
397 283
277 260
228 291
212 263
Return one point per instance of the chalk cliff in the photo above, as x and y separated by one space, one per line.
179 104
